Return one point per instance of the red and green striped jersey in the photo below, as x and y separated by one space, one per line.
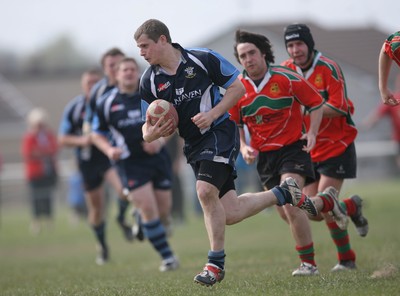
336 133
392 47
273 110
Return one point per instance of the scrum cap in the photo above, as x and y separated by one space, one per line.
299 32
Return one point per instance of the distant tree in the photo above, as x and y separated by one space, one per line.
58 57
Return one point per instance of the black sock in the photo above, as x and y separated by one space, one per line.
122 206
99 231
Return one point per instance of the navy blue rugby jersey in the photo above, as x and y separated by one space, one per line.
98 90
71 124
194 88
121 115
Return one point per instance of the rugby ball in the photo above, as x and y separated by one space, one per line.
159 108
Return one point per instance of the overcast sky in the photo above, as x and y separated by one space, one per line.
96 25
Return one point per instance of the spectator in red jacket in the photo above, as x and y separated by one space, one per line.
39 151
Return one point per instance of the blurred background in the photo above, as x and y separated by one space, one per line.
46 45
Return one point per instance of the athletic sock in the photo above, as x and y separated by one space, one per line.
327 202
155 232
306 253
99 231
282 196
349 205
217 258
342 242
122 206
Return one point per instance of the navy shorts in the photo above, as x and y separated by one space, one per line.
221 144
289 159
137 172
343 166
93 172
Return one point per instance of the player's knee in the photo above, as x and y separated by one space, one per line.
206 193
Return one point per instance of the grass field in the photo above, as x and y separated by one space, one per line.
260 256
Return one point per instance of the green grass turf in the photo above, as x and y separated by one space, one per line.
260 256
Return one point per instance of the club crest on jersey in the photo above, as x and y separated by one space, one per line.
163 86
189 72
318 80
275 88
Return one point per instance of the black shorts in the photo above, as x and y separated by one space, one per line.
93 173
343 166
289 159
137 172
216 173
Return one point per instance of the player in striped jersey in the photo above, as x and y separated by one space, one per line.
272 111
108 61
145 168
334 155
390 52
93 164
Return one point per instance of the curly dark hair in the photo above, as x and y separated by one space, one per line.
260 41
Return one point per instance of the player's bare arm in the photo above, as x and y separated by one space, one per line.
311 135
385 63
153 147
74 141
233 93
113 153
249 153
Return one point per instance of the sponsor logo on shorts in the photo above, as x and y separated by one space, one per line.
206 152
341 170
299 167
205 175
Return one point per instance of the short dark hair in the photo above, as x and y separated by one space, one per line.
153 29
128 59
115 51
260 41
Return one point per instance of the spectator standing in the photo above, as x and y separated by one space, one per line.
39 151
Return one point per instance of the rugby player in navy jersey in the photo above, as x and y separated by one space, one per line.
108 62
145 168
93 165
190 80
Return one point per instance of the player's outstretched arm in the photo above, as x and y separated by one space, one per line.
385 63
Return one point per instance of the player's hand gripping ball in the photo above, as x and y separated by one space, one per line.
159 108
